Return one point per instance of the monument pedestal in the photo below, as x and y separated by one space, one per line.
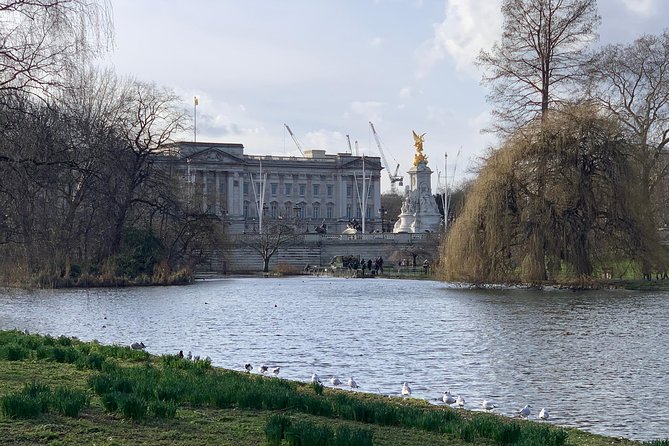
419 209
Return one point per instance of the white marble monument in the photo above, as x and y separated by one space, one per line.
419 209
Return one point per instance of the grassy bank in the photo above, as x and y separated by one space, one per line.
61 391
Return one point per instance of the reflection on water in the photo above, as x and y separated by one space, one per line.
596 360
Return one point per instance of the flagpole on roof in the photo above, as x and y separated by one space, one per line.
195 104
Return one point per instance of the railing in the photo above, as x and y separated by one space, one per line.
385 236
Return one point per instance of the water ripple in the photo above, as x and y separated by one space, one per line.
598 360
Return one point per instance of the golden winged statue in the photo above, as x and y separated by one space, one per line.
419 157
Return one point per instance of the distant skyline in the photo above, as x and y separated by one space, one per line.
326 68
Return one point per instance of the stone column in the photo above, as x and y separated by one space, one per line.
377 199
204 191
230 199
343 198
217 174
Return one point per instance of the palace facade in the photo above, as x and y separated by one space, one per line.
317 190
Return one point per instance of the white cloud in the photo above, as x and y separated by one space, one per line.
406 93
332 142
370 110
376 42
641 7
469 26
440 115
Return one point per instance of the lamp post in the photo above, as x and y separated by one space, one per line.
383 211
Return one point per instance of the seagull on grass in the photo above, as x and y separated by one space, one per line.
525 411
335 381
460 401
352 384
448 398
543 414
406 390
487 405
248 367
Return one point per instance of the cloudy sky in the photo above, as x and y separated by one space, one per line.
327 68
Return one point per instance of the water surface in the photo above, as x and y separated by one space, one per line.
597 360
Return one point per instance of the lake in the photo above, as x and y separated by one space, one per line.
597 360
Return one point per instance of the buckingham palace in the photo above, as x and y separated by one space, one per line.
315 191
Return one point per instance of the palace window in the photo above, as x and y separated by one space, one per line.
289 189
330 190
317 190
303 189
330 212
317 211
273 187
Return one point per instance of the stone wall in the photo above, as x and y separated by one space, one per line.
318 250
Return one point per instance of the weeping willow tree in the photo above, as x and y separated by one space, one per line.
562 187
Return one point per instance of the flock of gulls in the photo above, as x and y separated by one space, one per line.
447 398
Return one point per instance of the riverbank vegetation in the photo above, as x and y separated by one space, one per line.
577 187
64 391
84 202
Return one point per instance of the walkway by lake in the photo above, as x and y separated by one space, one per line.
597 360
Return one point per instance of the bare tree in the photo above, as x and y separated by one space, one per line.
40 40
538 57
274 236
632 83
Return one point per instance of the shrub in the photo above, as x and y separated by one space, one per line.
69 402
275 428
110 401
14 352
20 405
317 388
132 406
92 361
163 409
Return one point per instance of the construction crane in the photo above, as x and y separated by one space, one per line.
350 150
297 143
394 178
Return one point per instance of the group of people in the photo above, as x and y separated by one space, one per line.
373 266
406 262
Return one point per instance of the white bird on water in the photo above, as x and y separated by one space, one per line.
276 371
460 401
487 405
543 414
406 390
315 379
335 381
352 384
525 411
448 398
